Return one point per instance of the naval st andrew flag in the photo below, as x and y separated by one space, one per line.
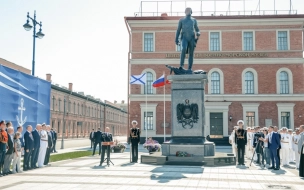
24 99
138 79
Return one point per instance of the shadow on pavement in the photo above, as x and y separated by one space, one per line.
165 174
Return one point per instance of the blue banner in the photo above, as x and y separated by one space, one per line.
24 99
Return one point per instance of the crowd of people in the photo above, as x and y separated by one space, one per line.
34 145
269 147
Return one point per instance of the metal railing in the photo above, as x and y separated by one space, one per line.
219 13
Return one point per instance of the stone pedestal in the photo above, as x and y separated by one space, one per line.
188 137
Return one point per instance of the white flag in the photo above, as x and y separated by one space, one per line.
138 79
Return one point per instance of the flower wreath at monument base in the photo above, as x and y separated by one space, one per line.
183 154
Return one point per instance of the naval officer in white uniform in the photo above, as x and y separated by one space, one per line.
43 145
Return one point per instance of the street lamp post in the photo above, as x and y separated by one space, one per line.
39 34
63 128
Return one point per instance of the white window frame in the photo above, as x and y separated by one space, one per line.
253 40
143 41
142 90
251 107
288 39
255 80
286 107
221 80
150 107
290 80
220 33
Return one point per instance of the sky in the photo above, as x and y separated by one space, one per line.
86 41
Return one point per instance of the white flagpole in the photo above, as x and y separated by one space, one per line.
165 109
146 118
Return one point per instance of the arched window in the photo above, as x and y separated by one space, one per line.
59 105
284 83
148 89
215 83
249 83
54 103
74 108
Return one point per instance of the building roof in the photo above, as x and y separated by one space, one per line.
14 66
107 104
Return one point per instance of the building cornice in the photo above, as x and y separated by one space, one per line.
217 21
220 61
225 98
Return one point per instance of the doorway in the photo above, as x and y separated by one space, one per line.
216 125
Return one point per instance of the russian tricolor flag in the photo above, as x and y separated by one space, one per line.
160 82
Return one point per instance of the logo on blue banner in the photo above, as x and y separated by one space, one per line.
24 99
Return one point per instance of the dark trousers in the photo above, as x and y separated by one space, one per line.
26 159
34 157
134 151
47 155
241 152
274 158
2 157
92 143
278 154
54 146
95 144
104 149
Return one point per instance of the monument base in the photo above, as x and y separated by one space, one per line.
196 147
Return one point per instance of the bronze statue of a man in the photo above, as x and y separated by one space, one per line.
189 31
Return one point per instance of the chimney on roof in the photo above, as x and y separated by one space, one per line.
115 102
70 86
122 102
49 77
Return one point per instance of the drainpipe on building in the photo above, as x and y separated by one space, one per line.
129 68
104 117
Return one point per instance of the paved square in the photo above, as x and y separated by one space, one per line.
83 173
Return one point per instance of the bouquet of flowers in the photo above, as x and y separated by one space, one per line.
118 145
182 154
152 145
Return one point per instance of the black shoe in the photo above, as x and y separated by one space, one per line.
100 163
271 168
276 169
243 164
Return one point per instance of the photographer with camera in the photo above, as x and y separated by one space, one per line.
258 144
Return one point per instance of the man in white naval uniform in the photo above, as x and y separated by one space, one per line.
43 145
248 146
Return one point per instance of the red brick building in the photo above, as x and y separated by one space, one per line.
254 64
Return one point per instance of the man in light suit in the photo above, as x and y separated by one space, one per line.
274 143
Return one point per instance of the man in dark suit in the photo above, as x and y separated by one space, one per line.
97 140
9 153
106 137
28 147
50 145
92 137
35 153
274 143
54 139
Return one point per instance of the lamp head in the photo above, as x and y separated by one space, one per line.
39 34
27 26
